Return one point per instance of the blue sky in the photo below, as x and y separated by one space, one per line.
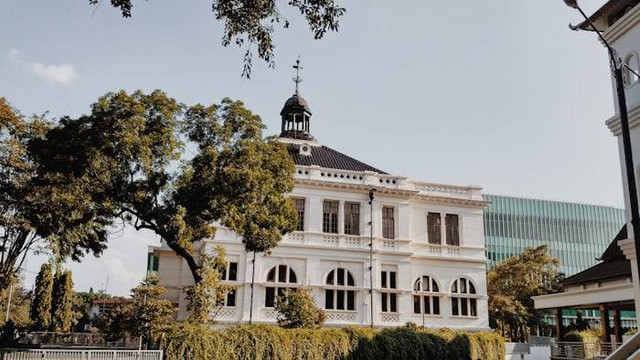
498 93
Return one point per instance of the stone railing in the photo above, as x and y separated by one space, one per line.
341 316
389 317
366 178
464 192
345 241
448 250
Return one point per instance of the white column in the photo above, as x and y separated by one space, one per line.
443 229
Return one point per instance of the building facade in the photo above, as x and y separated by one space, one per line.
577 234
427 257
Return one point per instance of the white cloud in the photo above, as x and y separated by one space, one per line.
16 56
54 74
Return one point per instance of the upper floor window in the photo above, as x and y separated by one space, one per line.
279 279
434 228
388 299
339 294
388 222
463 301
632 64
352 218
451 223
426 296
330 217
299 205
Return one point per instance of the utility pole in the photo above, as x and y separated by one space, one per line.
253 276
371 252
6 317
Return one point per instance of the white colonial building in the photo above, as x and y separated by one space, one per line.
428 256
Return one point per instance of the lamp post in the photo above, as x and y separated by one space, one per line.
616 68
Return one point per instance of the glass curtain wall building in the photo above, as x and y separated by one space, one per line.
577 234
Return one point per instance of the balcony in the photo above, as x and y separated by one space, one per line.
345 241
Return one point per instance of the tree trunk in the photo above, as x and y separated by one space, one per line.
186 255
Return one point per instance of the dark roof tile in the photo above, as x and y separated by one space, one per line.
328 158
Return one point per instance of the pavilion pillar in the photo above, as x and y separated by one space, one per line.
617 325
559 326
604 323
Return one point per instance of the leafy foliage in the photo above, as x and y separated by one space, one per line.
35 208
127 156
20 305
61 307
41 305
145 315
513 282
252 22
195 341
297 309
209 293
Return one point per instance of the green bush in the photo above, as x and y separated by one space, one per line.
265 342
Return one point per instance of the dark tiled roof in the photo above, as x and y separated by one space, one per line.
614 265
606 270
328 158
613 251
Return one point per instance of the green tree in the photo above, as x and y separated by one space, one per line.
35 211
62 306
20 305
248 23
145 315
513 282
297 309
208 294
41 305
128 155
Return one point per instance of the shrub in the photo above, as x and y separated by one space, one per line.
297 309
265 342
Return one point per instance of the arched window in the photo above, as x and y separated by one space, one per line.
631 62
426 296
339 291
463 298
279 279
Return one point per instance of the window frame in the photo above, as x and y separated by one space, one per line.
352 221
342 295
388 223
437 228
300 220
277 286
329 219
451 240
464 297
427 297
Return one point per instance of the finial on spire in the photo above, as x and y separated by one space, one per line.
297 79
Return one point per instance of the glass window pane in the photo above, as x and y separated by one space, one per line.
350 281
392 303
340 276
351 300
392 279
434 287
383 279
436 305
328 299
463 307
282 273
416 304
233 271
454 306
292 276
463 286
269 300
474 311
472 289
434 233
231 298
340 299
427 305
330 280
271 276
383 301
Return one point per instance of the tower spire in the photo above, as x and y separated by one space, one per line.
297 79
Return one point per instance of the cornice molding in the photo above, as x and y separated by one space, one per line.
613 123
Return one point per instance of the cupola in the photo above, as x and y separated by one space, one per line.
296 113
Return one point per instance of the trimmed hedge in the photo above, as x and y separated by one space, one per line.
265 342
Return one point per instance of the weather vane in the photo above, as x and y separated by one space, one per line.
297 79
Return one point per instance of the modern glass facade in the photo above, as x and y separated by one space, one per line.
577 234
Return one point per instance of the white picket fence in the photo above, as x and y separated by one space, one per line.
72 354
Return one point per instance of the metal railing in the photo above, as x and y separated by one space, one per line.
70 354
580 350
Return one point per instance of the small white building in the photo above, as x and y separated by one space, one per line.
428 256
